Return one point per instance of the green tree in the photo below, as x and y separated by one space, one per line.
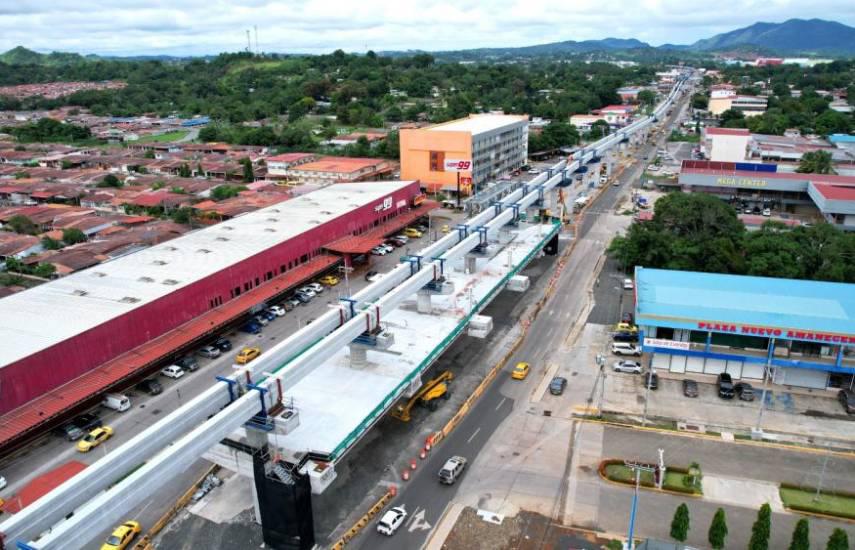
732 118
23 225
44 270
816 162
801 536
248 173
718 530
110 181
223 192
680 523
149 154
600 128
762 529
73 235
182 215
646 97
700 101
184 171
51 244
838 540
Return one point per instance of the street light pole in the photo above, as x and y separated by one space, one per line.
766 373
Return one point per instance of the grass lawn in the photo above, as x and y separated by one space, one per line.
673 480
803 499
168 136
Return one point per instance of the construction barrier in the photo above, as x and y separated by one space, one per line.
364 520
145 541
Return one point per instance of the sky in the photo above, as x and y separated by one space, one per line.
202 27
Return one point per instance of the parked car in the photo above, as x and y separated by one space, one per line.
371 276
211 352
172 371
391 520
251 327
847 399
395 242
260 319
302 297
308 291
557 385
651 380
626 348
388 247
94 438
625 337
690 388
451 470
79 426
628 284
316 287
445 228
2 484
116 402
150 386
422 227
378 251
744 391
247 354
268 315
296 301
767 212
412 232
632 367
725 386
122 536
520 371
329 280
188 363
625 327
278 311
222 344
289 305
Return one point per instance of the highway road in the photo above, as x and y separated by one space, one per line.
424 498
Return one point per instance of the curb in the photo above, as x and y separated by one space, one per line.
768 444
651 489
819 515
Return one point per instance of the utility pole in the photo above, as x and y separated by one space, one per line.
637 468
767 368
821 478
649 381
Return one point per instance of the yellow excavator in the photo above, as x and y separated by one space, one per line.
427 396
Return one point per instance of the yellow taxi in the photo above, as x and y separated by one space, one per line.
122 536
626 327
412 232
445 228
94 438
329 280
520 371
247 354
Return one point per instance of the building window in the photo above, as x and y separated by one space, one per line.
257 281
269 275
437 161
236 291
282 268
304 258
247 286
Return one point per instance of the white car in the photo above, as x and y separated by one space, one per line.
2 482
767 212
308 291
317 287
278 311
379 251
534 171
172 371
391 520
632 367
627 284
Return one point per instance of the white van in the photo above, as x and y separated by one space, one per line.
625 348
116 401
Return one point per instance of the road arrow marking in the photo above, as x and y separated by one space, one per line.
418 522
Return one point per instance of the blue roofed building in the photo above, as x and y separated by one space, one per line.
803 332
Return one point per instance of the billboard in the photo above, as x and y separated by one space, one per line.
457 165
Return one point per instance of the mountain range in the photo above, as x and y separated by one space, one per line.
792 37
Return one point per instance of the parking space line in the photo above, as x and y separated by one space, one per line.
471 437
502 402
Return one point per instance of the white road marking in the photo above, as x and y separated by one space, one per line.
502 402
418 522
471 437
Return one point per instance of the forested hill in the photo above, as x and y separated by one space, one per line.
356 88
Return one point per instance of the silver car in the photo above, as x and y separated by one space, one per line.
631 367
209 351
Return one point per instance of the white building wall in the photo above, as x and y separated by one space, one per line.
728 148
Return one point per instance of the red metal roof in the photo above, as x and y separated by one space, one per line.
364 242
42 485
817 178
836 192
289 157
28 417
727 132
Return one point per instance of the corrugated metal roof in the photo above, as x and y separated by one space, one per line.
665 296
40 317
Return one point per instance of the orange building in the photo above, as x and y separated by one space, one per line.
493 145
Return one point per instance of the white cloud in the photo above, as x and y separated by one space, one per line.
131 27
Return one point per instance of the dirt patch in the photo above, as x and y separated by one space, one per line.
525 531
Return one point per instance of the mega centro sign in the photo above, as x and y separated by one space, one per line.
771 332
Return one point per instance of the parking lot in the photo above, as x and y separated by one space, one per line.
51 451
